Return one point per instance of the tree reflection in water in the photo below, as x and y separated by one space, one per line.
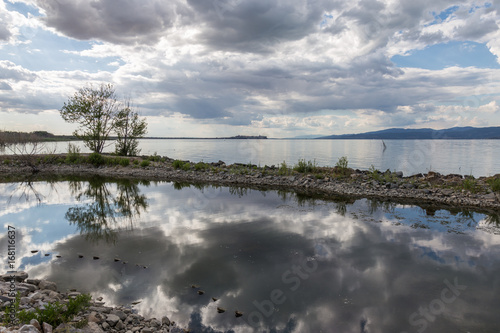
107 209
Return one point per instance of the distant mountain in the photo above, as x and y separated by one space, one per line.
424 134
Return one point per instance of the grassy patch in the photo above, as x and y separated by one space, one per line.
200 166
494 184
470 184
283 170
305 167
178 164
145 163
54 313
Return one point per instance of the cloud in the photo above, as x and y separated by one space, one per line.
130 22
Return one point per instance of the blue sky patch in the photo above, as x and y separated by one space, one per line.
439 56
22 8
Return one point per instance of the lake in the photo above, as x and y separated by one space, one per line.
290 263
465 157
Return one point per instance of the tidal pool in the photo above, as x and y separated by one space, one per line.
289 263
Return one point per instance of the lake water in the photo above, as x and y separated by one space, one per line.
289 263
465 157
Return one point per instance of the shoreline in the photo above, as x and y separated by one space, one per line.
431 188
94 318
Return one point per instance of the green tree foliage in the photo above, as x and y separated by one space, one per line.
95 110
129 127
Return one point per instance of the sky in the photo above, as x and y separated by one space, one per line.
280 68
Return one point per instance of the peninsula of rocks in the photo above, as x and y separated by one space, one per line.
305 178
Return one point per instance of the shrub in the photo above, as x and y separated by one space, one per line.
341 165
374 173
283 169
201 166
144 163
124 162
96 159
178 164
469 184
56 313
302 166
494 184
73 155
6 162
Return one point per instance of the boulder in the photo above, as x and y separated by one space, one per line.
49 285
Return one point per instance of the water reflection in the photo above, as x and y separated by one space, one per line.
290 263
98 216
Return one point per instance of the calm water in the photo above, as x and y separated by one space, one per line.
289 263
466 157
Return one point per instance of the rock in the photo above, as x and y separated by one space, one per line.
49 285
120 325
238 314
147 330
399 174
112 319
95 317
122 315
18 276
47 328
35 323
155 323
29 329
34 282
221 310
165 321
105 326
94 328
200 292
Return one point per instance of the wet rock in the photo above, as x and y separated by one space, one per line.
238 314
221 310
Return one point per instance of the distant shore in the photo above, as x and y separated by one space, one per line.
433 188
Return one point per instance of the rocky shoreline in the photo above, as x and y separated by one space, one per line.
94 319
430 188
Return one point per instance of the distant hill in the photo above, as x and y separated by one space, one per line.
425 134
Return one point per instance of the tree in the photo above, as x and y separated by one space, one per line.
95 110
129 127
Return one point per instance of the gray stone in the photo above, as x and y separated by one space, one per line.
165 321
120 314
29 329
120 325
112 319
47 328
399 174
35 323
155 323
49 285
105 326
147 330
95 328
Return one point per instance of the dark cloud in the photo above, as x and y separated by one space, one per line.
126 22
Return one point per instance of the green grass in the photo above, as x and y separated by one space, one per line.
494 184
178 164
470 184
283 169
342 166
200 166
57 313
145 163
305 167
